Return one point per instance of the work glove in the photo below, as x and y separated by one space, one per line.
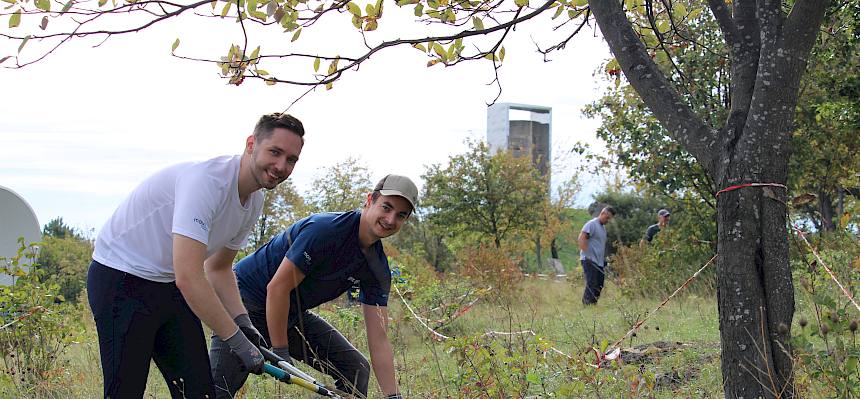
248 354
394 396
251 332
284 353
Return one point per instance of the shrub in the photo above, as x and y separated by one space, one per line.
663 265
825 346
37 324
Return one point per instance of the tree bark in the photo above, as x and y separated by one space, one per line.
825 209
755 293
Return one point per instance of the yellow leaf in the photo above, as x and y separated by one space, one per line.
317 64
15 19
371 25
175 45
502 53
843 221
521 3
296 35
328 86
353 9
420 46
479 24
270 82
226 9
262 72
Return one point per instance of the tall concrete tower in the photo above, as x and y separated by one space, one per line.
529 135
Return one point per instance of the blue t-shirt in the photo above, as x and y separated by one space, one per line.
326 249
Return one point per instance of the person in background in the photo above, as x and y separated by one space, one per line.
592 254
662 222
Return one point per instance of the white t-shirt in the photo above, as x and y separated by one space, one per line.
199 200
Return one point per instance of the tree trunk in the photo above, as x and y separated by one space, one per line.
553 249
825 209
538 253
755 294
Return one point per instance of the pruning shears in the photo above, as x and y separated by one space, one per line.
290 374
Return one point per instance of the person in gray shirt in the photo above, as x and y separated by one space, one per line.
592 248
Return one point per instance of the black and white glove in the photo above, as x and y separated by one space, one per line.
249 356
394 396
251 332
284 353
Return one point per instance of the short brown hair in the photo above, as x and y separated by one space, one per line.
269 122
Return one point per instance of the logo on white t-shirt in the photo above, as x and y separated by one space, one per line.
202 224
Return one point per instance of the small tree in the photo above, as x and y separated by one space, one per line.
340 187
480 197
282 207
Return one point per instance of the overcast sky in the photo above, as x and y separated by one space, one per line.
82 127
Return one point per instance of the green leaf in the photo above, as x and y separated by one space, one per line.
695 13
23 43
371 25
420 46
102 3
419 10
353 9
558 12
851 364
370 10
296 35
262 72
44 5
581 3
533 378
356 22
15 19
67 6
317 64
679 11
502 53
440 51
478 23
521 3
226 9
175 45
328 86
255 54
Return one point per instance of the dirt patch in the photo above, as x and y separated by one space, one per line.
652 353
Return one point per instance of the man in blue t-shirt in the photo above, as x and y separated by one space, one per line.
592 248
316 260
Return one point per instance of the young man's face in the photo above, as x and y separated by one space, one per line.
386 215
663 220
273 158
605 217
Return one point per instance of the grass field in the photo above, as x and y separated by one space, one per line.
428 368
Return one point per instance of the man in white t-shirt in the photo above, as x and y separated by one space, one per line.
163 262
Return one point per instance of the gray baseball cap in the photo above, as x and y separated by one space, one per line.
400 186
663 212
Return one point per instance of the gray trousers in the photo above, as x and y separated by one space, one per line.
312 341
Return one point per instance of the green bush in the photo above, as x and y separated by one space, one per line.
37 325
825 345
663 265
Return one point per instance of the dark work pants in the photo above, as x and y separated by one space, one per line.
140 320
594 276
312 341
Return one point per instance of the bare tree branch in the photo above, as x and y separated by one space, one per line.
723 15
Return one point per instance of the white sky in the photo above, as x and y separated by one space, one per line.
81 128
